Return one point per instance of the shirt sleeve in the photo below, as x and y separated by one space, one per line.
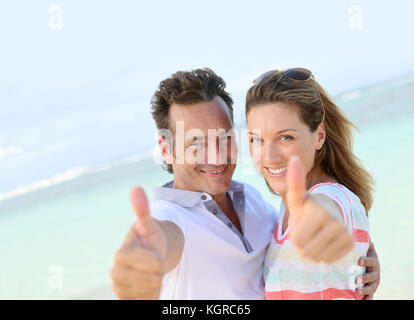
165 212
341 198
257 201
272 212
162 210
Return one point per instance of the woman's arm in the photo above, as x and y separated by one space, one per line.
329 205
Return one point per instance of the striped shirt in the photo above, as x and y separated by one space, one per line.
289 276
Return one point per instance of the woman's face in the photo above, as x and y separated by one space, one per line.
282 135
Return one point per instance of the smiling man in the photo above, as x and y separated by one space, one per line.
204 236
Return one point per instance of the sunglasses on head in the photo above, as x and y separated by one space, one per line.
295 74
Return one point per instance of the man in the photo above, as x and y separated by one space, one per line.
205 235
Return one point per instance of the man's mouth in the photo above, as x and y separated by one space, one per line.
216 172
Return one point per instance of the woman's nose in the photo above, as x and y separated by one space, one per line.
270 153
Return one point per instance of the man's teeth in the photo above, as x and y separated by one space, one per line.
215 172
277 171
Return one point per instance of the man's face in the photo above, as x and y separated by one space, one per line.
205 154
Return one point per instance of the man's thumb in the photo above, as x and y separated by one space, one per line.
295 181
140 205
146 228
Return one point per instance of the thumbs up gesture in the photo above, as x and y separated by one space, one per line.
139 263
147 230
315 222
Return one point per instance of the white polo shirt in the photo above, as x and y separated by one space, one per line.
217 262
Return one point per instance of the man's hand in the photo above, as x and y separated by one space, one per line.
317 233
371 277
140 262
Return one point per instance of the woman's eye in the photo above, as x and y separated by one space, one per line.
283 138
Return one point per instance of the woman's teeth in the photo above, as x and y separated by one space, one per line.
276 171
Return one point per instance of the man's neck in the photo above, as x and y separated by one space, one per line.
221 200
225 204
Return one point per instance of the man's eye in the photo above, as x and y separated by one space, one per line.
255 140
197 144
225 139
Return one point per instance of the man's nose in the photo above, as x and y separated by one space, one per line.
217 153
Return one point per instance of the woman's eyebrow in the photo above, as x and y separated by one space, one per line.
257 134
286 130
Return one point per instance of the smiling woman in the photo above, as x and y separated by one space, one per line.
306 145
303 120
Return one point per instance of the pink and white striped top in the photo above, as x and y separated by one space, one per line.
288 276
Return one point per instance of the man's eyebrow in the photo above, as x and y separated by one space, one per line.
192 139
281 131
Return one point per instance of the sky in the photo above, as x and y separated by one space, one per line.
76 77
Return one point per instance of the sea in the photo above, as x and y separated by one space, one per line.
58 234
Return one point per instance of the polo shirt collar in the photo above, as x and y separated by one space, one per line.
187 198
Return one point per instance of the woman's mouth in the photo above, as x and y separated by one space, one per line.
276 172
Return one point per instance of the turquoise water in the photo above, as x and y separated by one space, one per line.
58 243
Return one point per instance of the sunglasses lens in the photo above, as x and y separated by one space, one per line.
298 74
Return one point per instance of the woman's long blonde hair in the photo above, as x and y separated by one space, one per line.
336 157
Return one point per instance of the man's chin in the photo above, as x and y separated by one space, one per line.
218 185
218 188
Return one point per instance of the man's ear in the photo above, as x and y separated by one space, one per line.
321 136
166 153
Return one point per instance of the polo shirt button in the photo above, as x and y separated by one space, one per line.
230 225
215 211
203 197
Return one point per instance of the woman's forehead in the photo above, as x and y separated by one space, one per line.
273 118
279 111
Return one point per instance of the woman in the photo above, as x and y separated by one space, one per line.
305 143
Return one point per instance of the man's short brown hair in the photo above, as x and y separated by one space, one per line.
187 88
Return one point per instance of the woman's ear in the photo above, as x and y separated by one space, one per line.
321 136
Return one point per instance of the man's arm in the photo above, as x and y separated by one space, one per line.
175 244
371 278
150 249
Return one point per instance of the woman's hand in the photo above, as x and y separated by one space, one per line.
318 234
